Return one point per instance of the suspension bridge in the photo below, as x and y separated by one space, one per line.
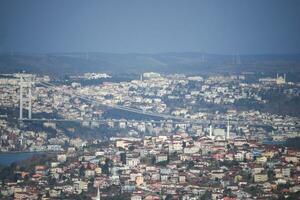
27 81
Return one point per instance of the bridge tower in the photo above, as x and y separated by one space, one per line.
26 83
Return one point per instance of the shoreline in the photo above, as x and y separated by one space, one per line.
20 152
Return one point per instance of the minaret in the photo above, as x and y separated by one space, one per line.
21 139
228 129
210 131
98 194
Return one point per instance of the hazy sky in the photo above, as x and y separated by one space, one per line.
150 26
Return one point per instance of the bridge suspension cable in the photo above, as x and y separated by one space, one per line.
124 108
164 116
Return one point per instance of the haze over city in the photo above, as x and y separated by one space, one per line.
149 100
220 27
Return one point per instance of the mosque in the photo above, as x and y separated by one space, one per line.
219 134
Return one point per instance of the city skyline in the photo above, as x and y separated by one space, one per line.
149 100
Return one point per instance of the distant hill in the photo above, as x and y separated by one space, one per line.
190 62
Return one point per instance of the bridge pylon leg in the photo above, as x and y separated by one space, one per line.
21 99
26 82
29 104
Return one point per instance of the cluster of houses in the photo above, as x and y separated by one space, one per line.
160 167
148 159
